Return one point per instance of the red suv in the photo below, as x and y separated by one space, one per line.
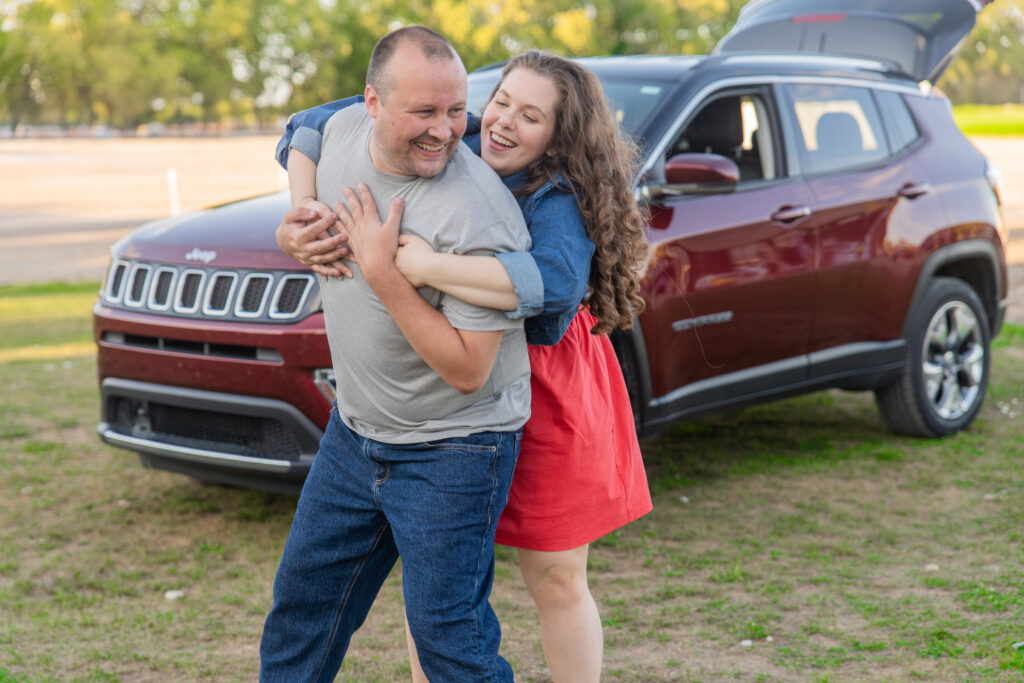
817 220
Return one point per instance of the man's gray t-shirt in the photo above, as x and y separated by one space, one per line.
386 392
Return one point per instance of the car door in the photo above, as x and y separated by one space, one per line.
729 284
868 194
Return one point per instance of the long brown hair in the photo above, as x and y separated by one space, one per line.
591 153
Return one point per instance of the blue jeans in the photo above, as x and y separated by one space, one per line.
363 505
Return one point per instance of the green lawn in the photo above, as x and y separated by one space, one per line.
796 541
986 119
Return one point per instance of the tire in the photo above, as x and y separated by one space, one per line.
946 375
621 345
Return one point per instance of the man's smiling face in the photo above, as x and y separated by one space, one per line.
421 115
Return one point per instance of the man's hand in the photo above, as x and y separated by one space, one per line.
373 243
305 235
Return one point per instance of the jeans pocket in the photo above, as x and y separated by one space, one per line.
481 442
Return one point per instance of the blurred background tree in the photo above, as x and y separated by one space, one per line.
128 62
990 66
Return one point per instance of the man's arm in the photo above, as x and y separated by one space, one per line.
463 358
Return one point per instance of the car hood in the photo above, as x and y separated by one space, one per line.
920 37
238 234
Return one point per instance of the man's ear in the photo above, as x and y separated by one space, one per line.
372 101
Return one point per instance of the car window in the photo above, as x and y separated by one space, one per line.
736 126
899 124
838 126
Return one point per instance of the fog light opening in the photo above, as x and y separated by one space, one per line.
323 378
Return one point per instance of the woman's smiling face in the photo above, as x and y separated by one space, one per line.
519 121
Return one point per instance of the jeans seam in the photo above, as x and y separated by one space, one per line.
344 602
483 546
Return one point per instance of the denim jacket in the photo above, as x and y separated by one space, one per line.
550 280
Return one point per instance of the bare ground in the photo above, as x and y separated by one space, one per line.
64 202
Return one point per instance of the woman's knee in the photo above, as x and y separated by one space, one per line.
556 580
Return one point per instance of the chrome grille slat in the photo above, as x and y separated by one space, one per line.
290 296
163 288
192 291
190 285
218 295
138 280
116 281
254 293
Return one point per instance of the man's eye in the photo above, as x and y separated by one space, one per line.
456 112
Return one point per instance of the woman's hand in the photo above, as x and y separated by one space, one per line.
305 234
372 242
412 259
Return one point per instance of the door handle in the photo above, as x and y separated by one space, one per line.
791 214
913 190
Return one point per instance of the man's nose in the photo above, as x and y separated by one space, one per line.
441 127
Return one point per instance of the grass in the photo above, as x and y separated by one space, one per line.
796 541
990 119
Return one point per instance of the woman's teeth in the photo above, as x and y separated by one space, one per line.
499 140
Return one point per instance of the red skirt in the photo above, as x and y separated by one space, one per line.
580 474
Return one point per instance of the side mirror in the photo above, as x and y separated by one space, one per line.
684 169
695 174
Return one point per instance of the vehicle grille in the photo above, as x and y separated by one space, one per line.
257 437
211 293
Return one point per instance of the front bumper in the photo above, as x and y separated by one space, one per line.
213 436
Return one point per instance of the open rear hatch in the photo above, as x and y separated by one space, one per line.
919 37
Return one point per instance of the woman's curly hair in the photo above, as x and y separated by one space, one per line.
591 153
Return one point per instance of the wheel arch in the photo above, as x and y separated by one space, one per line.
975 262
631 350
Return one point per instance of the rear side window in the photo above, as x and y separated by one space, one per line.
899 123
839 127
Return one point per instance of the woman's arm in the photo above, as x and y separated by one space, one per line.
305 130
551 278
321 249
302 182
479 280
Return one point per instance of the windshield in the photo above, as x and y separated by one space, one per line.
631 101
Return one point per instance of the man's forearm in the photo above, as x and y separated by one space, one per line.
457 356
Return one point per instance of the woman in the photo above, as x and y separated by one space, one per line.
549 133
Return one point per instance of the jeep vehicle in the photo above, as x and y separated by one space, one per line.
817 220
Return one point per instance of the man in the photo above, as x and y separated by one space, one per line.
418 457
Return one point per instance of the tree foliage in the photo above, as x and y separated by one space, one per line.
126 62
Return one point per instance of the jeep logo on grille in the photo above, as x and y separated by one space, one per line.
198 254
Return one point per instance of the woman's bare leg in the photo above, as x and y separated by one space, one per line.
414 660
570 626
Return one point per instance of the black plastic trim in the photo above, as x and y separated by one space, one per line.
307 433
950 254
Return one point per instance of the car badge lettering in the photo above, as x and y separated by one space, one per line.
701 320
198 254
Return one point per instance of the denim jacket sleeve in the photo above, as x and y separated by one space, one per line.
527 282
561 254
305 130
